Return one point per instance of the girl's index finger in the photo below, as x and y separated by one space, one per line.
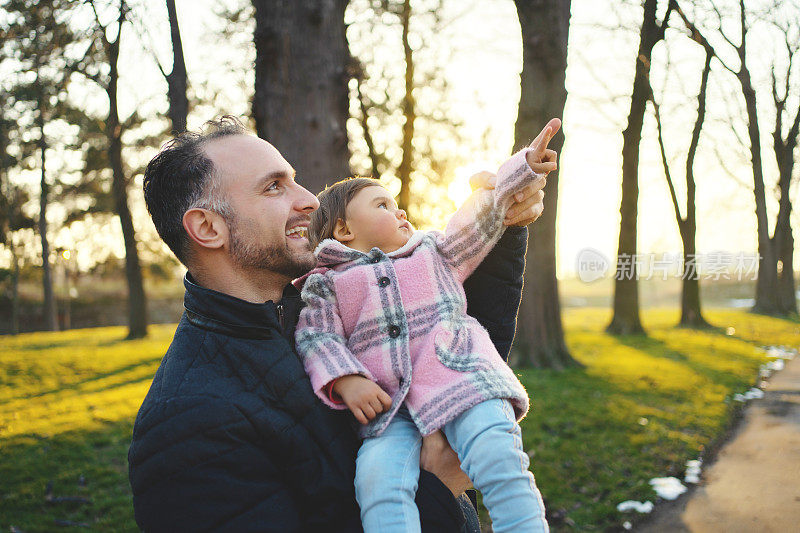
546 135
542 146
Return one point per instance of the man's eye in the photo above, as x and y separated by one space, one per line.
272 186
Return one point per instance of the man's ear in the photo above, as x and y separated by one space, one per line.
206 228
341 232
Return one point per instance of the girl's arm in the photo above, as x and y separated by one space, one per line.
320 339
477 226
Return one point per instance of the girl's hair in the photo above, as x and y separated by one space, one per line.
332 204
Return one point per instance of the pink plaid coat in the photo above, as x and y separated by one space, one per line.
400 319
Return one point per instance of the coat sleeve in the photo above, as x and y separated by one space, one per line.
440 511
494 290
478 224
205 471
320 338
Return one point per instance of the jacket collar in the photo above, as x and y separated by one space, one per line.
222 313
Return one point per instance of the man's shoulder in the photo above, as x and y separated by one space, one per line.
209 372
187 375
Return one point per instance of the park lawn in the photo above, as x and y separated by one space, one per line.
67 403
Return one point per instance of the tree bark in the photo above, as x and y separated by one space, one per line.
137 307
14 287
783 240
691 314
50 310
626 289
408 108
784 149
301 102
177 81
767 282
545 31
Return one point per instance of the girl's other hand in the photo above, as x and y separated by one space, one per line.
362 396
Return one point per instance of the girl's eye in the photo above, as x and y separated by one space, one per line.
383 205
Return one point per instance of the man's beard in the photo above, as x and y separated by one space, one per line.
278 258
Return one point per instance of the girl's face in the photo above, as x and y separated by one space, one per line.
374 221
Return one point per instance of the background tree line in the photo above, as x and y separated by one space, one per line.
358 87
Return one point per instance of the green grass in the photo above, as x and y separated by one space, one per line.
67 402
591 447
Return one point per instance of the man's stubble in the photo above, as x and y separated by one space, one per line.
250 252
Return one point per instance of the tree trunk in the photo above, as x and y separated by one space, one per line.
767 282
691 314
301 102
14 287
137 310
783 241
626 289
545 30
362 103
408 108
50 311
177 79
787 297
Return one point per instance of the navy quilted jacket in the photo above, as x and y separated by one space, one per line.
231 437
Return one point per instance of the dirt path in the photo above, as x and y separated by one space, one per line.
754 485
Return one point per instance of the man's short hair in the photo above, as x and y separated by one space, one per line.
182 177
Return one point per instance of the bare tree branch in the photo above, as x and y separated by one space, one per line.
664 162
696 35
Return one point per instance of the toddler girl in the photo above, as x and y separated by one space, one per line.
385 333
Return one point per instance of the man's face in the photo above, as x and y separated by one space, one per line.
270 211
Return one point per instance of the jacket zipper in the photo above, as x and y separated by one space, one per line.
279 308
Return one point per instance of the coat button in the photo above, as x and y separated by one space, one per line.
394 331
384 281
375 260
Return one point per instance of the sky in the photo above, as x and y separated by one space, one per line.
484 75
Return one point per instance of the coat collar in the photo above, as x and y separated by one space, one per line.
222 313
331 253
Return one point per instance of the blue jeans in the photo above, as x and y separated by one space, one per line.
488 442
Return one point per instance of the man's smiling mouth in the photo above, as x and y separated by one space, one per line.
297 232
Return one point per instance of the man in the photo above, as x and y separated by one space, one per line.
230 435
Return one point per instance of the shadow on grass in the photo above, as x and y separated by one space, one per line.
69 341
658 348
84 472
97 377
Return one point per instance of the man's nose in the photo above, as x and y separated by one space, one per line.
305 201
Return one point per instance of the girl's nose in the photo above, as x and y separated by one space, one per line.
401 214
